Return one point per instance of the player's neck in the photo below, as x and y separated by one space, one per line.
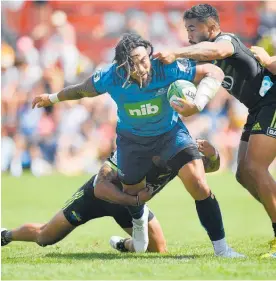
215 35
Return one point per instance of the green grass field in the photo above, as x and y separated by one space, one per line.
86 253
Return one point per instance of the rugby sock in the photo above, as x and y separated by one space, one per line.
220 246
210 217
136 212
274 228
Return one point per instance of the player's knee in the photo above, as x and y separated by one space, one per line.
251 170
40 244
41 241
242 175
158 247
162 247
202 189
44 240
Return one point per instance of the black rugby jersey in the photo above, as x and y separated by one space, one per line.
243 73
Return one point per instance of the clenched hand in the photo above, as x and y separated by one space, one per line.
261 55
41 101
144 195
205 148
166 57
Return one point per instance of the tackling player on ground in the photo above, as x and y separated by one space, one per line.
252 84
85 206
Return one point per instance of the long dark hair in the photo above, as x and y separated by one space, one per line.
123 49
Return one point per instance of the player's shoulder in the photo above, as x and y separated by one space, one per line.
226 36
233 39
182 64
185 64
108 77
103 72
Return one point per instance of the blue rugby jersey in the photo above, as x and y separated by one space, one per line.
144 111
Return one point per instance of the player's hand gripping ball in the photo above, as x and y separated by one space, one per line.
181 89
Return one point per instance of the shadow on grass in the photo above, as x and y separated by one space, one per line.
114 256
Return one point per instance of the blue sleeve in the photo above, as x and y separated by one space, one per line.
185 69
102 79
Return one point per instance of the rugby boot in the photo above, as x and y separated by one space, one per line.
118 243
4 240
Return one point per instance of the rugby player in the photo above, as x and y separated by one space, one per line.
84 206
252 84
148 126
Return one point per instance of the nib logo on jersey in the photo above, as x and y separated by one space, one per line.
144 109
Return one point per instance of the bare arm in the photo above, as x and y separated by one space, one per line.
78 91
73 92
204 51
272 66
264 58
106 190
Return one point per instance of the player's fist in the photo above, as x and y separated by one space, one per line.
41 101
205 148
144 195
184 107
166 57
261 55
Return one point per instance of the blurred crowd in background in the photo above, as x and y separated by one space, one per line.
47 45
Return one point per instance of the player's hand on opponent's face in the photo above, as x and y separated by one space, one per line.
205 148
41 101
261 55
144 195
166 57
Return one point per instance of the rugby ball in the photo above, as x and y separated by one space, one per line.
181 89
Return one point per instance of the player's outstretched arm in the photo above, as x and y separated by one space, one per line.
211 158
106 190
264 58
204 51
73 92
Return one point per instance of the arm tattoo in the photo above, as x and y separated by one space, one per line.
106 173
86 89
198 53
209 165
78 91
109 191
204 51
